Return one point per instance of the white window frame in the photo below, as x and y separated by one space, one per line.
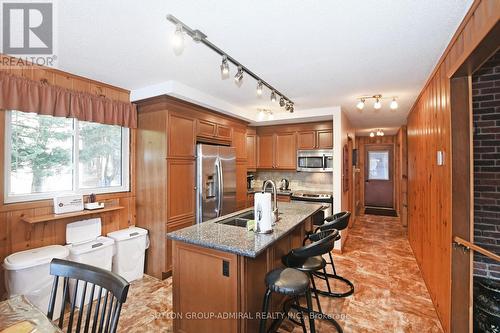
125 187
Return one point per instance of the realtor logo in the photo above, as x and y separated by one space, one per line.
27 28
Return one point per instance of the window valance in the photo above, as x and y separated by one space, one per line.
18 93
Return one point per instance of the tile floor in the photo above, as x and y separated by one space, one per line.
390 295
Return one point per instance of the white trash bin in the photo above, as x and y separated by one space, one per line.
87 246
28 273
130 247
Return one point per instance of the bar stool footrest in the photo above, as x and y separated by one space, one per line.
321 275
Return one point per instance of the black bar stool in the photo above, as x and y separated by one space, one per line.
290 282
309 259
338 221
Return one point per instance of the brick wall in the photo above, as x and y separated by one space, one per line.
486 110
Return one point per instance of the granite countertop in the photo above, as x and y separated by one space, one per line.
237 239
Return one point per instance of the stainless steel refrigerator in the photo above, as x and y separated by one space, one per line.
215 181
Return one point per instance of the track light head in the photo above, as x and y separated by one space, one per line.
372 134
377 105
238 77
178 40
361 104
259 88
224 68
291 107
394 104
273 96
282 101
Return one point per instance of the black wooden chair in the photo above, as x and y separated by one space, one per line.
338 221
112 293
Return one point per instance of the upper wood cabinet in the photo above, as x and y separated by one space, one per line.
324 139
277 151
181 137
285 151
211 130
306 140
251 148
265 151
239 143
311 139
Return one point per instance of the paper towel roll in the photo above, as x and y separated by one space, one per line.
263 212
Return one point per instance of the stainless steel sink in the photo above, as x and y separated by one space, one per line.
240 220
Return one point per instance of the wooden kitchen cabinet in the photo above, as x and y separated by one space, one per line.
213 131
324 139
251 147
265 151
277 151
170 228
181 136
285 151
250 200
241 185
181 203
306 139
240 144
320 139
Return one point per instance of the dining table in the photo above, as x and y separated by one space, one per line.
18 315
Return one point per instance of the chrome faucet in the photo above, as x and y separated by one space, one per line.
275 194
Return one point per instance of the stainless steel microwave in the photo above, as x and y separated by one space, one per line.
315 160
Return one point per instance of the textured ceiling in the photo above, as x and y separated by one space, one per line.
319 53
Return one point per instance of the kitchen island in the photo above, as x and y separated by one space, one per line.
219 269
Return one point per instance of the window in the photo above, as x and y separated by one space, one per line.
378 165
48 155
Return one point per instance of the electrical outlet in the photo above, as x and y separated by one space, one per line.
225 268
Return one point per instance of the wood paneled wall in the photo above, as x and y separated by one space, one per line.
16 235
429 185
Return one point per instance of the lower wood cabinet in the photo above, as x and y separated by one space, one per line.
168 249
181 197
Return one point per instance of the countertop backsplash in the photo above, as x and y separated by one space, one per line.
305 181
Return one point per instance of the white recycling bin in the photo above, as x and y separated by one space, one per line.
87 246
130 247
28 273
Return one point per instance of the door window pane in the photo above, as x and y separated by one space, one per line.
41 155
100 155
378 167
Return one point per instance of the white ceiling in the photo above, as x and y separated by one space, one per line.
321 54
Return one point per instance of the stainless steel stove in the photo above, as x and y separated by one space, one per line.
325 199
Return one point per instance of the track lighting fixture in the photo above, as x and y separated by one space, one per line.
377 105
291 108
282 102
361 104
178 40
265 112
200 37
273 96
394 104
239 75
259 88
224 68
378 132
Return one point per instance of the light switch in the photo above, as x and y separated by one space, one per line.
440 157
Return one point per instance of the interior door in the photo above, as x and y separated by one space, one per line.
227 158
379 177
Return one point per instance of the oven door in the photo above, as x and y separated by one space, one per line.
315 160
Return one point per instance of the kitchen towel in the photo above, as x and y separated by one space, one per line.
263 212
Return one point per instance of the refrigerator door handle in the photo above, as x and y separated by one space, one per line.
221 187
218 194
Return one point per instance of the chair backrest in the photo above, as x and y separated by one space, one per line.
324 244
339 221
111 290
